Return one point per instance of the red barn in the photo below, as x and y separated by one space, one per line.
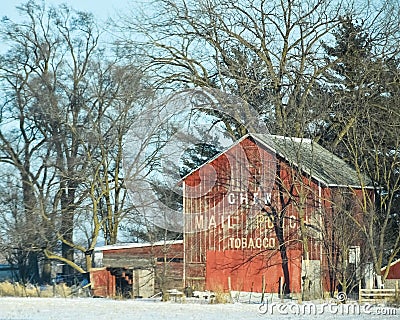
255 215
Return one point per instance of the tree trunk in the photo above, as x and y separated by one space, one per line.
67 226
46 271
283 252
33 268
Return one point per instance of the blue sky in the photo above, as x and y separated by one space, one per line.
100 8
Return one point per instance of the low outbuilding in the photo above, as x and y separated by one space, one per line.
137 269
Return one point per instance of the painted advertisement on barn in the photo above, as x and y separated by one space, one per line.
228 222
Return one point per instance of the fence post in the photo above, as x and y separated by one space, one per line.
263 288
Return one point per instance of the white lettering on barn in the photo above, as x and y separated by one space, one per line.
243 198
251 243
234 222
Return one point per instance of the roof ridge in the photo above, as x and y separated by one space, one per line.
296 139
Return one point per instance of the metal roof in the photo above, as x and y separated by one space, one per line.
314 160
137 245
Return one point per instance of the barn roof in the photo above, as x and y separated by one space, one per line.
311 158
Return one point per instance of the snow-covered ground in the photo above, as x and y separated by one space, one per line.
98 309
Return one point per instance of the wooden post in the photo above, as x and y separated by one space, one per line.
230 288
251 291
396 291
133 284
263 288
359 292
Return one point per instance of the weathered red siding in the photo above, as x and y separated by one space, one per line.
102 283
169 250
215 213
227 229
243 271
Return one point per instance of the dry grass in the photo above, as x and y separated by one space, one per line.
394 302
220 296
8 289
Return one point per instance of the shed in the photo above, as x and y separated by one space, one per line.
138 269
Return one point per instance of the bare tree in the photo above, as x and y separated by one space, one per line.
342 242
267 52
65 114
376 151
363 126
